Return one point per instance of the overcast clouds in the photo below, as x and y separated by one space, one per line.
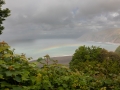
32 20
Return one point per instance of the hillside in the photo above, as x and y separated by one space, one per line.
112 36
61 60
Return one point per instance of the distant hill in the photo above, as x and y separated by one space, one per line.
61 60
112 36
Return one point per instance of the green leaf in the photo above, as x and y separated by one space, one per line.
7 55
64 85
17 78
8 73
16 73
17 66
17 88
6 89
33 79
108 81
1 76
24 78
5 84
61 88
2 62
66 78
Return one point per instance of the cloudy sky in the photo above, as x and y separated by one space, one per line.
34 20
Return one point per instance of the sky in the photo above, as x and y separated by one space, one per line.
35 20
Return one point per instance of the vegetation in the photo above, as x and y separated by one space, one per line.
117 50
15 70
98 63
95 55
16 73
3 14
91 68
84 53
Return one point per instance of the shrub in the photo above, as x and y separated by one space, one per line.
16 73
99 64
117 50
15 70
59 77
92 76
84 53
93 53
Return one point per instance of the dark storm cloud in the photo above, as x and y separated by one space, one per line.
31 20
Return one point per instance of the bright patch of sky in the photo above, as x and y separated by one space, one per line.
115 14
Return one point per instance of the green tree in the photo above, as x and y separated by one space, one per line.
3 14
16 73
117 50
84 53
114 56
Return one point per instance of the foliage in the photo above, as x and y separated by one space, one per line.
114 56
16 73
84 53
93 67
117 50
15 70
101 64
92 53
3 14
59 77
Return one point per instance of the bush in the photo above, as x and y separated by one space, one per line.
114 56
99 64
59 77
93 53
84 53
16 73
117 50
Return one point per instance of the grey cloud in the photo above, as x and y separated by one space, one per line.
92 8
37 19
